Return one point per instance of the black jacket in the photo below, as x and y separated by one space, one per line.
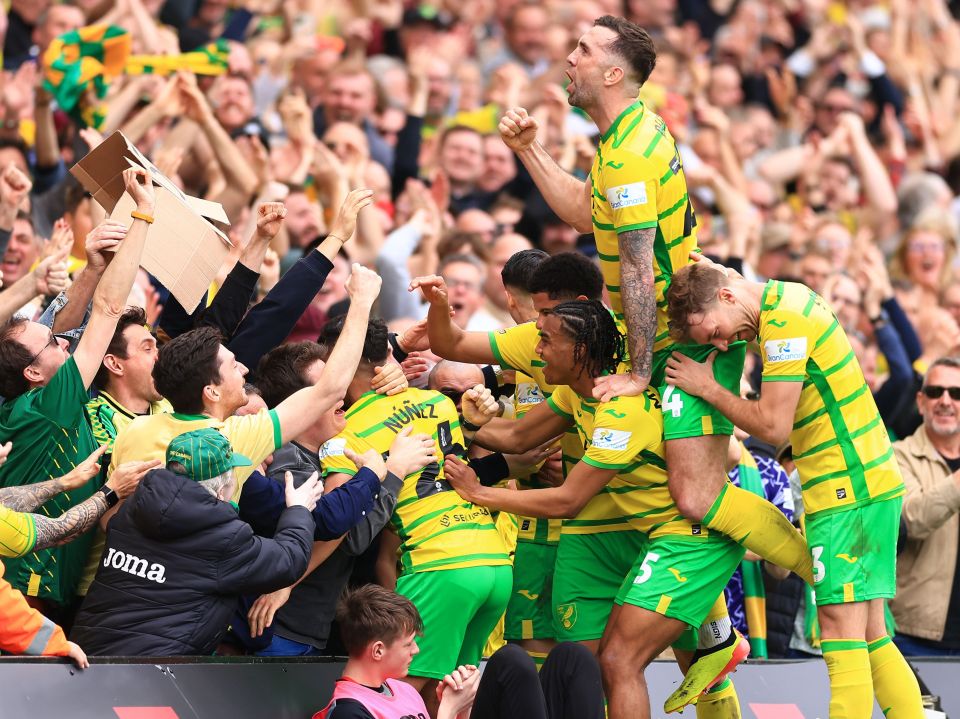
175 562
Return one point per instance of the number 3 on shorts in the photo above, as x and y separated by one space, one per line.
645 569
671 401
819 570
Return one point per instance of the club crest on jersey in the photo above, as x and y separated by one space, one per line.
567 615
610 438
787 350
627 195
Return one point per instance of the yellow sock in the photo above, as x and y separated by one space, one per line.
753 522
851 687
721 702
894 683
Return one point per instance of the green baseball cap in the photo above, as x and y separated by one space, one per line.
205 453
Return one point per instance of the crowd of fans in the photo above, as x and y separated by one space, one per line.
820 141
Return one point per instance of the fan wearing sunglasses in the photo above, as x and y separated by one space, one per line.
927 603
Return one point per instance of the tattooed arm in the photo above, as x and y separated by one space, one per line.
28 497
71 524
639 296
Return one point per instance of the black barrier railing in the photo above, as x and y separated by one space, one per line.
295 688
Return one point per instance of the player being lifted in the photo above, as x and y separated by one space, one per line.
641 570
636 204
814 393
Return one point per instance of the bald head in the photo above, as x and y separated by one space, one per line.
454 378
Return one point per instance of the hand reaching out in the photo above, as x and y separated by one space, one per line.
346 221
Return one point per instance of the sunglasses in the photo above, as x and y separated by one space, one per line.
936 392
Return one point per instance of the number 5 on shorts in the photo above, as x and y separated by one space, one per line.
671 401
646 571
819 569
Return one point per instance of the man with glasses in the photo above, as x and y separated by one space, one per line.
927 605
465 276
46 393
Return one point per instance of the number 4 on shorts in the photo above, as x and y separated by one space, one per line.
671 401
645 569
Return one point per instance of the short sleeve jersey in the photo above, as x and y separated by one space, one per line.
625 434
515 348
638 184
146 438
437 529
18 533
51 435
840 444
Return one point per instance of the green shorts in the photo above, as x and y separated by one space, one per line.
459 608
854 552
685 415
681 577
589 571
530 611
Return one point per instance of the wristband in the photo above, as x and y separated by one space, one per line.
110 495
142 216
398 352
469 426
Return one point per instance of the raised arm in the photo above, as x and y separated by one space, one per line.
303 408
566 195
271 320
48 278
110 296
446 339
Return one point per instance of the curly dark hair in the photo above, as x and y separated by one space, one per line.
598 345
566 276
186 365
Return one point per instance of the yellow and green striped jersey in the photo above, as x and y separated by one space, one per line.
515 348
437 529
840 445
625 434
638 184
18 533
526 396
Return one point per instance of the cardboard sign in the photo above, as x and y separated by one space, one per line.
184 250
